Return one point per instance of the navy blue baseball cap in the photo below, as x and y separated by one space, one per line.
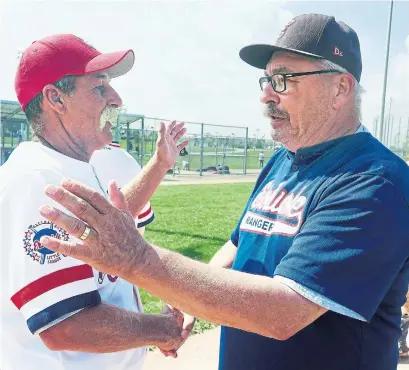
313 35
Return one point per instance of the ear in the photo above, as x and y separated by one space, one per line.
53 99
345 86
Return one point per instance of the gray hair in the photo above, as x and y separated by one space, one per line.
358 89
34 108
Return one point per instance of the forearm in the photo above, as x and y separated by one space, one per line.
225 256
253 303
106 328
140 190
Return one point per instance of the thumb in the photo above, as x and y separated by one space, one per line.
161 132
187 327
116 196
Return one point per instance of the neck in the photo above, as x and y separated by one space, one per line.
331 131
64 147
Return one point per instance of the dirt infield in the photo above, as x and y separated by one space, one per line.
187 178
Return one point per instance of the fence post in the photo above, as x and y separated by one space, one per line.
142 141
245 151
201 147
127 137
2 142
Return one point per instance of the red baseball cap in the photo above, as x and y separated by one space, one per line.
48 60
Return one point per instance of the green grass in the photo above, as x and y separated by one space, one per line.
194 220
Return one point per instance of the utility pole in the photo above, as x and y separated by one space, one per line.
385 77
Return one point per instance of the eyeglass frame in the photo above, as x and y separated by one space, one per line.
269 79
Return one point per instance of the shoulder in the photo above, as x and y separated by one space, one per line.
372 159
26 180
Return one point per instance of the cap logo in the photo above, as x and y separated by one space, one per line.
338 52
284 30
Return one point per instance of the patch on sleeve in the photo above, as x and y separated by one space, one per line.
35 250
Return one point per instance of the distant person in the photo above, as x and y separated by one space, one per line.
261 159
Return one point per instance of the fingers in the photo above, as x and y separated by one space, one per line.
72 203
170 127
183 145
71 225
93 197
78 251
179 135
117 197
177 129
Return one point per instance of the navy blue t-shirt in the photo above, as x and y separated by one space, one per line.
333 218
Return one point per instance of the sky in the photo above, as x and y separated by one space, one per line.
187 64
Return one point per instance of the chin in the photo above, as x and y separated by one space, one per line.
106 134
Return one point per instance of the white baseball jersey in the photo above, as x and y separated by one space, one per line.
40 288
114 163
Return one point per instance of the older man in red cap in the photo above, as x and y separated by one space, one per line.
57 312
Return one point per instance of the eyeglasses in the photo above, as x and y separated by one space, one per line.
278 80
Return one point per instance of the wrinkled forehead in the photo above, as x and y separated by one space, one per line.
284 62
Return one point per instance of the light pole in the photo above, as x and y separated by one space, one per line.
385 77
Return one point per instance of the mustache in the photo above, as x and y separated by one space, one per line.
270 109
110 114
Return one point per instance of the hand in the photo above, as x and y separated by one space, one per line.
167 149
113 240
174 332
188 324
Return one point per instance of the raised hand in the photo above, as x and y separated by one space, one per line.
167 149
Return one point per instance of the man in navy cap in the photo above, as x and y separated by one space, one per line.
316 271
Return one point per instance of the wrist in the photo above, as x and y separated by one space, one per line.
169 331
159 164
143 264
135 264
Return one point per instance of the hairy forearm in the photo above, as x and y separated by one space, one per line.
139 191
225 256
253 303
106 328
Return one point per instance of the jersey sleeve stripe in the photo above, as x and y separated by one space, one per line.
49 282
43 318
56 295
145 214
146 221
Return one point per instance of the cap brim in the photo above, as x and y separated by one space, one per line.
115 64
258 55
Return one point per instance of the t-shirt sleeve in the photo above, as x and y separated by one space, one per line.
46 287
353 243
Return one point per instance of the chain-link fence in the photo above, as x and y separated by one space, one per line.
212 148
218 149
